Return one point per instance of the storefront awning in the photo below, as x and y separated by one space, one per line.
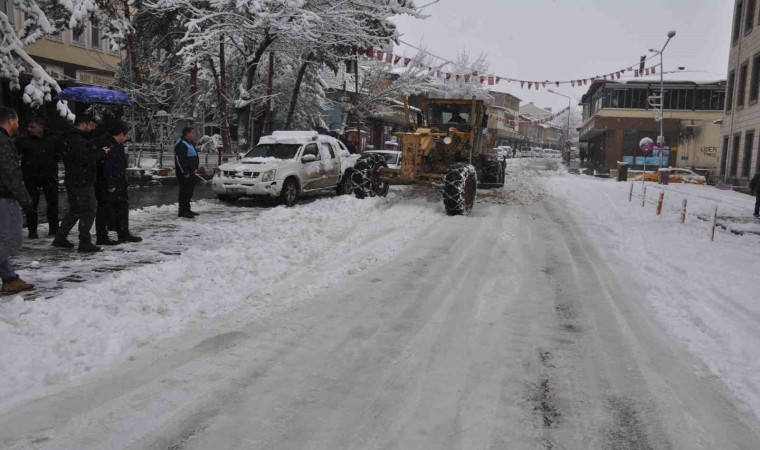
592 134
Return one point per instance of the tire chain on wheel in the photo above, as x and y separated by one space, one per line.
364 170
454 189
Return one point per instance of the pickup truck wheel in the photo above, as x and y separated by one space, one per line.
290 192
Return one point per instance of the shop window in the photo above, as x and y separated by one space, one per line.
749 17
737 22
735 155
724 155
730 92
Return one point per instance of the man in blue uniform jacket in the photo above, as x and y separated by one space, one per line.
186 162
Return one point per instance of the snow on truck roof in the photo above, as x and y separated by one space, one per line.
295 137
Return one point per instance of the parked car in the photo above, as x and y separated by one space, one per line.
285 165
526 152
392 157
676 175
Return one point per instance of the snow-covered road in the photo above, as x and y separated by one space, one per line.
402 329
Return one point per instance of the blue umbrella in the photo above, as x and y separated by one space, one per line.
90 94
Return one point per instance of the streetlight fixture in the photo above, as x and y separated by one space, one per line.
569 106
661 116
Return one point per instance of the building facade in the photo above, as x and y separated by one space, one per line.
68 57
738 147
503 128
617 116
546 135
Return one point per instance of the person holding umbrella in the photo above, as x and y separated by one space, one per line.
80 159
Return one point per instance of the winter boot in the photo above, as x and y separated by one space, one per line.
106 241
13 287
129 237
52 229
193 213
62 242
33 234
186 215
88 247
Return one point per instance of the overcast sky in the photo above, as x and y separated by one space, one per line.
573 39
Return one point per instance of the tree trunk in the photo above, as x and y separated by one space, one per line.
132 49
194 92
270 91
296 91
250 77
224 106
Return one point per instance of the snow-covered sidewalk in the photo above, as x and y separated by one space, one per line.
704 293
227 261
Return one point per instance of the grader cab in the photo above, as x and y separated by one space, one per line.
447 150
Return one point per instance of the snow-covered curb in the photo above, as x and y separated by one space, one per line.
703 293
46 343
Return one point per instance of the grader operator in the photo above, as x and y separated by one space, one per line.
447 150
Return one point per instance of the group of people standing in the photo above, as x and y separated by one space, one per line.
95 180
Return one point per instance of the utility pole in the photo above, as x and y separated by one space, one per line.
660 112
224 107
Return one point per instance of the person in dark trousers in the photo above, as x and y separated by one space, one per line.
39 166
12 194
754 185
186 162
111 189
80 161
582 155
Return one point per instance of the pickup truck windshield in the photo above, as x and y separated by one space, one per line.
279 151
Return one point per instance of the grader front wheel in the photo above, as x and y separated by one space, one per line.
459 189
365 177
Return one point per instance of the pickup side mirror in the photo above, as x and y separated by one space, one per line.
308 158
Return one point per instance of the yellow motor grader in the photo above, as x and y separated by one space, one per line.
447 150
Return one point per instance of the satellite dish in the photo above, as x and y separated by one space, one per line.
447 140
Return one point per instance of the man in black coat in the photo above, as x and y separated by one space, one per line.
111 189
186 162
754 185
39 165
12 194
80 160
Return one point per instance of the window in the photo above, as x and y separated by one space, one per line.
6 6
749 141
749 17
77 37
311 149
724 155
741 93
96 42
734 155
730 92
754 85
737 22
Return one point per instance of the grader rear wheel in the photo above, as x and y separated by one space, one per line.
459 189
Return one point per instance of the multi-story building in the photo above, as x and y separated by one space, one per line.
741 124
69 57
503 128
617 116
545 135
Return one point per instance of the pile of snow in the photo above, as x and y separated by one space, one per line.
49 342
704 293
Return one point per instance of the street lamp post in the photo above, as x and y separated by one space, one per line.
569 108
661 137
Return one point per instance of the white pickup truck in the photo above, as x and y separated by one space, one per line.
285 165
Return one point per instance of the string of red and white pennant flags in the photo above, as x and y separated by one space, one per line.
491 79
543 121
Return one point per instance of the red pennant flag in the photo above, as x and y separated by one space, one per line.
579 82
530 84
544 84
585 82
636 73
475 74
482 80
371 53
498 80
458 76
396 59
654 70
647 71
490 81
448 76
380 55
466 78
522 84
557 83
536 85
407 61
389 58
573 83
